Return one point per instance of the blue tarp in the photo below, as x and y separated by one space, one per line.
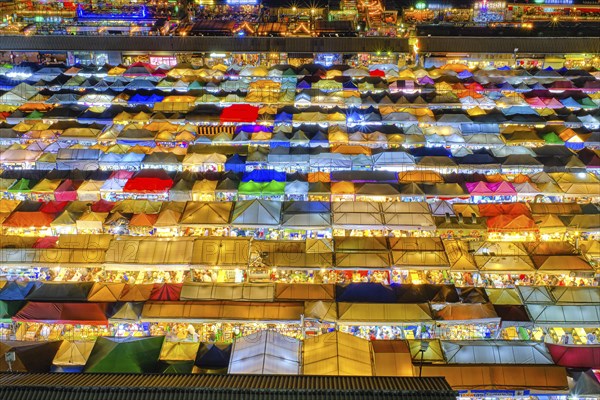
263 175
236 163
365 293
430 151
284 117
17 290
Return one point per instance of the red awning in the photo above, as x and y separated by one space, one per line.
575 356
239 113
166 291
147 185
63 313
377 72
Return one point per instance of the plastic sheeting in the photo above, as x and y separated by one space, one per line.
337 353
265 352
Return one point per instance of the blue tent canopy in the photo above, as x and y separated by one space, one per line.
17 290
236 163
430 151
284 117
263 175
365 293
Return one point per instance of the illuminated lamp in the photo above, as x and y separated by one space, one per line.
421 5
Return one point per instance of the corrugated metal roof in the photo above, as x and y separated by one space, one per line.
165 386
442 44
507 45
203 44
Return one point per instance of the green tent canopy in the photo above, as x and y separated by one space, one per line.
21 186
176 367
8 309
125 355
553 138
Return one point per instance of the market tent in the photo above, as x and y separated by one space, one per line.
137 292
213 358
535 294
365 293
179 351
575 356
433 353
224 252
575 295
61 291
385 314
166 291
206 213
587 383
14 290
456 313
337 353
565 316
227 291
30 356
125 355
222 310
139 252
503 296
302 291
63 313
73 353
418 254
392 358
125 312
306 215
8 309
265 352
256 213
472 295
495 352
105 292
507 377
423 293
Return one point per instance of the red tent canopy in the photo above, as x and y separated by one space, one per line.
47 242
510 223
53 207
575 356
239 113
492 210
22 219
63 313
67 191
101 206
166 291
147 185
377 72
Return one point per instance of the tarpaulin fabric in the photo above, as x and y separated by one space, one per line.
63 313
21 219
575 356
147 185
365 293
125 355
213 357
61 291
17 290
30 356
239 113
166 291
